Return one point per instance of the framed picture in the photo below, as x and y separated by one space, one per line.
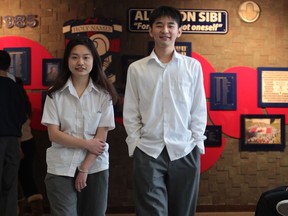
126 60
184 48
272 87
50 70
20 63
262 132
223 91
214 136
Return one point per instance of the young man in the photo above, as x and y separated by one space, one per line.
12 116
165 118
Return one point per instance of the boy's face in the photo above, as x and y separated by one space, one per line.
165 31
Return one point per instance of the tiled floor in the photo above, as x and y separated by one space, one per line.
204 214
225 214
199 214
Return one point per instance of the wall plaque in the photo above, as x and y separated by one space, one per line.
272 87
223 91
214 136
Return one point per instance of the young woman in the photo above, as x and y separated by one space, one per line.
78 113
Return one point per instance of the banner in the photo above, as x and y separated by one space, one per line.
193 21
105 33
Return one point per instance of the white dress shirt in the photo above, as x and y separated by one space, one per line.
165 105
80 118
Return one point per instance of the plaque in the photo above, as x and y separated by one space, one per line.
214 136
272 87
223 91
184 48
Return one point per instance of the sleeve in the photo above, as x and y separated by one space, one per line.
199 109
50 114
131 113
107 114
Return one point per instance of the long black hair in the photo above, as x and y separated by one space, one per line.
97 74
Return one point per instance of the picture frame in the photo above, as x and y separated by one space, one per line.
223 91
214 136
126 60
272 86
261 132
50 70
20 65
184 48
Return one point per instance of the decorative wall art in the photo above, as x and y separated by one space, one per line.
272 87
20 63
214 136
223 91
50 70
126 60
262 132
184 48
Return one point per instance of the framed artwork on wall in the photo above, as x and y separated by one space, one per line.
223 91
20 63
126 60
184 48
214 136
262 132
272 87
50 70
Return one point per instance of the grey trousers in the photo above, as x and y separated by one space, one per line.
66 201
163 187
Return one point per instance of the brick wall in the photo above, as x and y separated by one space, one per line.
238 178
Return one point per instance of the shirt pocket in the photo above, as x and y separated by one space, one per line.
91 123
67 122
181 91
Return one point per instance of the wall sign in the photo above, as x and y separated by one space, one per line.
272 87
214 136
194 21
105 33
249 11
223 91
184 48
20 21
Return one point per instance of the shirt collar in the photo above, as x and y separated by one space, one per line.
175 56
69 85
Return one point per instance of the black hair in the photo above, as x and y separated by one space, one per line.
97 74
5 60
165 11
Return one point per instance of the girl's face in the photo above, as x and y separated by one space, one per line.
80 61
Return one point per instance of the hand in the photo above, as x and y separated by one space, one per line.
80 181
96 146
